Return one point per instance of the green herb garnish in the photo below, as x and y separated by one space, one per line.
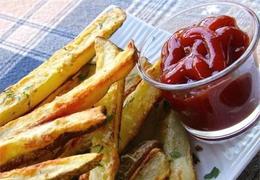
97 148
213 174
28 87
175 154
109 118
26 94
9 95
100 25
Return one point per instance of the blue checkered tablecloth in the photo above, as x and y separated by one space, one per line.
32 30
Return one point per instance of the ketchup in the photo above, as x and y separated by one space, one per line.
198 52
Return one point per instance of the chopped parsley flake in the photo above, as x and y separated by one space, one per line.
109 118
26 94
100 25
98 148
9 95
213 174
175 154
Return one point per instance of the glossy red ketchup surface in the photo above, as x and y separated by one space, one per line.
198 52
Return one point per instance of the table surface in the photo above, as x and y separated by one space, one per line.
12 64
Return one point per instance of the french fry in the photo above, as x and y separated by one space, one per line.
113 100
42 136
63 147
106 53
85 72
106 137
177 148
131 161
137 106
133 78
81 97
156 167
37 85
78 145
63 168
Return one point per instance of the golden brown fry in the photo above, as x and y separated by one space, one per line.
120 85
46 134
106 52
131 161
155 167
63 168
37 85
137 106
84 73
78 145
81 97
133 79
106 137
177 148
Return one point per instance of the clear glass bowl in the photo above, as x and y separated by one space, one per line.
240 82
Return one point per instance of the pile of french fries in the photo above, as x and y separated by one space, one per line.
76 115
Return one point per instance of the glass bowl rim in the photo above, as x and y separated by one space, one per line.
216 76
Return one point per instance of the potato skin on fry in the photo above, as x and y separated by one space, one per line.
85 72
37 85
132 160
175 140
63 168
106 136
137 105
156 167
81 97
133 78
43 135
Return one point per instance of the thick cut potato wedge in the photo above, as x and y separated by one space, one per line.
131 161
177 148
105 53
63 168
85 72
78 145
137 106
46 134
113 100
133 78
37 85
106 136
81 97
156 167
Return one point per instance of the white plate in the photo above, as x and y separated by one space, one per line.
231 156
